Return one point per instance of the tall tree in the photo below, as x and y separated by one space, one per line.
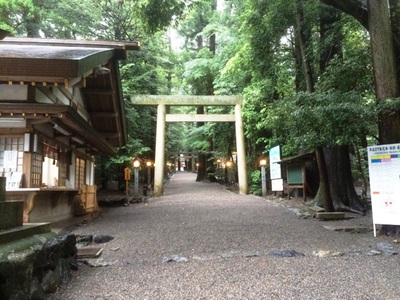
378 16
315 47
199 76
381 18
385 68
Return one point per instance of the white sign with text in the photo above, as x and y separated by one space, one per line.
275 168
384 174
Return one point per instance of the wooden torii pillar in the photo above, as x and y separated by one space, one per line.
180 100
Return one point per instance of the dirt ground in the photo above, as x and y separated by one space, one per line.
201 241
105 197
112 197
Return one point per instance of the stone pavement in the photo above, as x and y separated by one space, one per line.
200 241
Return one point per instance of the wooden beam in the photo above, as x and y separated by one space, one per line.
98 91
15 79
77 81
199 118
50 95
110 135
104 114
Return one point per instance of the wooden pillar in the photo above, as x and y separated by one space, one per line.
241 151
160 151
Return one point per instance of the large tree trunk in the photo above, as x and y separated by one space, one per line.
395 20
202 159
324 191
385 74
202 167
209 90
344 196
337 158
384 63
330 35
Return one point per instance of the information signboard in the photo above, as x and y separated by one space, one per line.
275 169
384 174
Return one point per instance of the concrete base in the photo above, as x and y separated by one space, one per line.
45 205
11 214
23 231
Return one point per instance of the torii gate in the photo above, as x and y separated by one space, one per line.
181 100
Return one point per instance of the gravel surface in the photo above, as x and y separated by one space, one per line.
200 241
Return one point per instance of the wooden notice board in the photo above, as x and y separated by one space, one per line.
295 174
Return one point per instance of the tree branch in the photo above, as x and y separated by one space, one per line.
358 10
355 8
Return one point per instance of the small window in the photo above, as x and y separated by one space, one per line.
11 154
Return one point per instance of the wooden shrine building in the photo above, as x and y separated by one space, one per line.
60 105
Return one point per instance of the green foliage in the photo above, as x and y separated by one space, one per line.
198 138
352 74
199 73
388 106
126 153
158 14
255 182
264 30
200 67
176 137
23 17
307 121
72 19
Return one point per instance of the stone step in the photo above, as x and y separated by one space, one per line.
330 215
26 230
313 210
350 228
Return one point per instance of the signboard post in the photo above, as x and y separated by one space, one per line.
275 169
384 173
127 176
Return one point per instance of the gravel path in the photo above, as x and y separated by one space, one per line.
227 240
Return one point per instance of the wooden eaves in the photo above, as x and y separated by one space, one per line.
44 63
64 116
